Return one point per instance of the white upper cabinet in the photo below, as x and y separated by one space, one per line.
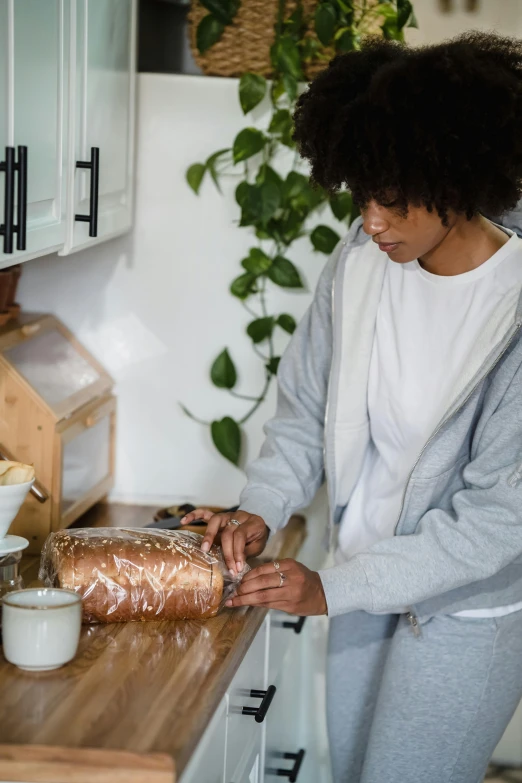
101 134
34 69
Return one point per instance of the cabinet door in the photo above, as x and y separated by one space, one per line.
34 72
207 764
244 733
102 98
285 723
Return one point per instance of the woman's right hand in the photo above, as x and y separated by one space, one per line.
238 542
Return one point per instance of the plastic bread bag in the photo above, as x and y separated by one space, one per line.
136 574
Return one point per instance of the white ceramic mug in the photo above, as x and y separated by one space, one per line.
41 627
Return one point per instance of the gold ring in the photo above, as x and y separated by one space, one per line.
276 565
282 579
233 522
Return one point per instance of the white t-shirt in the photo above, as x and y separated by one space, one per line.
426 327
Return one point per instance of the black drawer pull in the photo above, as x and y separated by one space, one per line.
7 228
94 165
298 626
266 697
21 207
291 774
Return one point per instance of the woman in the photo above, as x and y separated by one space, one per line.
410 378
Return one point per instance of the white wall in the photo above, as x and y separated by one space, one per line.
154 307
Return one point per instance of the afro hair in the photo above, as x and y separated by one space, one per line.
438 126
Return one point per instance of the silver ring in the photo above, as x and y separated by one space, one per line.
276 565
233 522
282 579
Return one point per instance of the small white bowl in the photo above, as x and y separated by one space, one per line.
11 499
41 627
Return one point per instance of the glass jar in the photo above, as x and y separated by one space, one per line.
10 579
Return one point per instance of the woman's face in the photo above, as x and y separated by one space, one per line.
404 238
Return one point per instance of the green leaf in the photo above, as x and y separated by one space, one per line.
310 47
325 20
286 58
270 200
221 9
300 195
243 286
249 199
277 90
257 262
290 227
252 90
387 10
290 85
260 329
413 20
281 125
404 10
295 184
324 239
294 23
248 142
267 174
273 364
211 166
226 436
287 322
195 174
208 33
283 273
346 42
223 372
341 205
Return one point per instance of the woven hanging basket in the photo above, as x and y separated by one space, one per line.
245 45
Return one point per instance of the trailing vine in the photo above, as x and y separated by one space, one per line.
279 209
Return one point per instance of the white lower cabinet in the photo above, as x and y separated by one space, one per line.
278 680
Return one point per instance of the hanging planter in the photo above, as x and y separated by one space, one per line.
240 42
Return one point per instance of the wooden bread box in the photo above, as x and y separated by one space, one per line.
57 412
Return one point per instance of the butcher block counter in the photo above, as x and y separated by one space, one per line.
135 701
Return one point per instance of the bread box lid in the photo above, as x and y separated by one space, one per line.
50 362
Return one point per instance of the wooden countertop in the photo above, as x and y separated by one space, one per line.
135 701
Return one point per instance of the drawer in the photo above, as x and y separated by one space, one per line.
243 732
207 764
284 628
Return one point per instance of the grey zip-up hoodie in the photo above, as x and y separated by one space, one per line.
458 539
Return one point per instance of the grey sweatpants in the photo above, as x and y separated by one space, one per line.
427 709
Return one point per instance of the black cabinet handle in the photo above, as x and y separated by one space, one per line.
259 713
297 626
21 208
94 165
7 228
291 774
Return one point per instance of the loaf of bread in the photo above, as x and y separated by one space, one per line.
137 574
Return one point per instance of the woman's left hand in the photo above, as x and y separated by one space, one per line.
297 591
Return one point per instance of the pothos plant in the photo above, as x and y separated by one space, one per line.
279 209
